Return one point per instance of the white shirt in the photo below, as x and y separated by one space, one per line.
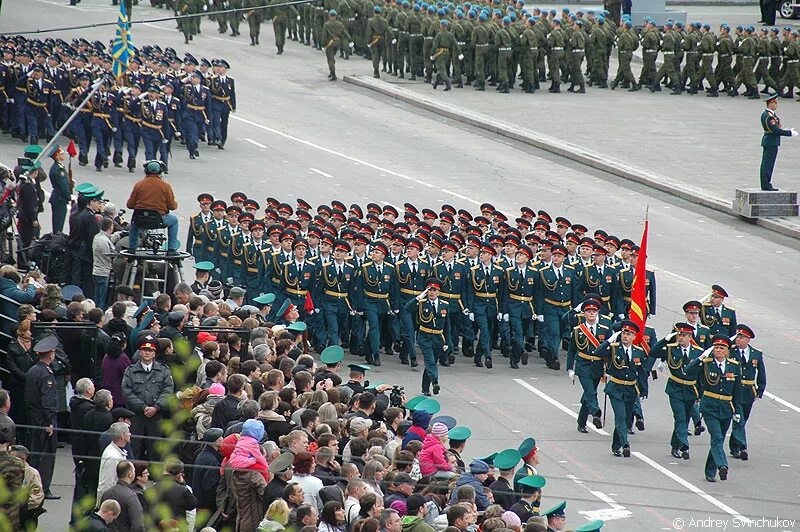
412 265
745 353
147 367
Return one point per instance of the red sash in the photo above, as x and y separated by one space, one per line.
588 332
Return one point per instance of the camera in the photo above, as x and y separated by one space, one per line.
396 396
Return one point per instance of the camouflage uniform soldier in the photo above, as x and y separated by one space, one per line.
724 72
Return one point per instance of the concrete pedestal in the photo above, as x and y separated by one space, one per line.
755 203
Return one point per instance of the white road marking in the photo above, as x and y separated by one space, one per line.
691 487
558 405
320 172
685 483
615 510
254 142
784 402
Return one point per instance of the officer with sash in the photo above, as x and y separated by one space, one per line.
682 387
624 365
720 380
431 314
581 360
753 384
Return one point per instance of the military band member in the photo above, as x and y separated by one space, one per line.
720 380
581 360
753 383
431 315
625 375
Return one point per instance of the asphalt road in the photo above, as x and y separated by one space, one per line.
296 134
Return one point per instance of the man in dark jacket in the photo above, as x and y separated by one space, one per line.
226 410
98 521
130 517
81 234
173 496
282 468
147 387
206 475
60 196
81 404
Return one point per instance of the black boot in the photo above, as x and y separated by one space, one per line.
712 93
118 159
447 85
503 88
753 95
635 87
581 89
376 74
436 83
614 85
655 87
480 85
571 88
131 164
556 88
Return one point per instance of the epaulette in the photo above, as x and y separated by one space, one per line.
602 325
443 301
388 264
510 268
460 260
707 304
709 360
734 361
614 344
474 267
570 266
348 263
287 262
326 264
368 263
422 259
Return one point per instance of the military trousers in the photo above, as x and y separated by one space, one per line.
550 333
708 71
520 315
554 65
415 54
746 74
624 72
738 439
431 347
768 156
717 428
279 27
406 330
374 313
485 315
376 52
481 56
681 409
576 77
762 73
335 315
648 73
43 453
623 414
589 404
330 55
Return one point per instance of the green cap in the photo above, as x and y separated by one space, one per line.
297 326
204 266
558 509
374 385
459 434
533 481
507 459
412 403
526 447
489 458
96 194
592 526
265 299
360 368
32 150
332 355
430 406
84 187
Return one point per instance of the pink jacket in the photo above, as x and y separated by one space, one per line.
247 455
431 457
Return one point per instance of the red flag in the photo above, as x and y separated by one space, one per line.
71 149
638 312
308 306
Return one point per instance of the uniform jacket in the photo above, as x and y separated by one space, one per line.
580 354
372 284
753 373
484 292
626 373
60 182
773 132
682 382
725 323
41 395
142 388
721 389
558 292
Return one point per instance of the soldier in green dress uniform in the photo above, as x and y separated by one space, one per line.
431 315
718 317
485 281
753 383
376 297
518 303
197 224
334 38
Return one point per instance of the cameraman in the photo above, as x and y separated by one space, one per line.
154 193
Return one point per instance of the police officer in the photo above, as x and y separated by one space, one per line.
42 405
431 315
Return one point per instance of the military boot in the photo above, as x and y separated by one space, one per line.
118 159
571 88
131 164
480 85
503 87
436 83
376 74
581 89
447 85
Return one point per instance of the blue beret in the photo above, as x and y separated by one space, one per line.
522 2
506 21
459 14
497 12
416 7
332 13
406 4
553 12
628 24
740 28
431 9
708 26
472 13
573 17
441 12
580 13
668 24
601 19
444 22
565 10
512 16
557 21
482 17
785 28
377 9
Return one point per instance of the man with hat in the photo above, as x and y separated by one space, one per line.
682 384
255 266
206 473
602 279
147 387
197 225
453 274
223 103
42 406
556 517
336 283
458 437
475 477
530 459
264 303
506 461
282 469
753 384
718 317
38 91
202 275
624 366
81 235
334 38
771 139
332 357
104 123
517 302
591 331
154 116
485 281
28 194
376 296
298 282
556 292
153 193
531 489
721 382
412 274
431 315
196 100
60 196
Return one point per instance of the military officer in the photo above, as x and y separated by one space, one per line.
42 406
431 315
557 290
444 47
718 317
335 37
202 276
254 263
502 488
412 274
299 278
625 375
682 387
212 229
196 99
224 245
604 280
60 196
483 299
581 360
173 127
518 303
104 123
454 275
197 225
702 334
720 379
530 487
529 453
241 239
222 104
153 115
376 33
377 296
337 281
771 140
753 383
39 97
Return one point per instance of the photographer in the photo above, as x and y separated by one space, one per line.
102 255
154 193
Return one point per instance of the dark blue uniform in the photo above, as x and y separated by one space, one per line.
154 118
411 284
195 115
223 101
173 126
104 122
41 402
37 108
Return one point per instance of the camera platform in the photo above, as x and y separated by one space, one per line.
156 270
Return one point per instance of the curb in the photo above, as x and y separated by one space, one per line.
572 152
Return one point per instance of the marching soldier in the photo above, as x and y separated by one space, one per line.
104 124
748 50
555 49
518 303
131 123
376 32
454 275
153 115
254 18
222 104
334 35
483 299
557 289
718 317
625 375
444 47
480 41
336 283
254 263
38 99
431 315
577 45
81 126
603 280
626 44
708 45
753 383
196 99
720 380
299 280
581 360
376 297
530 44
412 274
173 126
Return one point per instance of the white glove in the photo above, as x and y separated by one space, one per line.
471 316
571 373
298 17
466 312
614 336
738 417
205 8
353 313
114 129
208 122
164 141
394 41
621 316
444 347
670 336
177 134
352 45
499 317
229 280
505 317
661 366
460 57
431 58
316 311
540 318
794 133
578 307
706 353
125 90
